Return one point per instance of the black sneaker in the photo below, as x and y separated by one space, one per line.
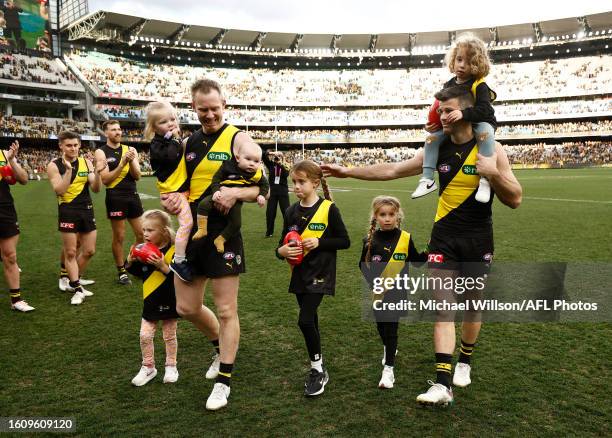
182 270
124 279
315 382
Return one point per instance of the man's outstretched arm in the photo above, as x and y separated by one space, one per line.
377 172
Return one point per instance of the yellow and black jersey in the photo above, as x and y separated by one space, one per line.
159 300
168 164
230 175
458 211
204 154
5 192
317 272
77 194
390 252
482 111
124 183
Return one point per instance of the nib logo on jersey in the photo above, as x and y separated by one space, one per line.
218 156
316 227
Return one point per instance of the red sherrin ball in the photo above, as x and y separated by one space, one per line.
143 251
293 238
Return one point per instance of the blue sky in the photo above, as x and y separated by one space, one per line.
354 16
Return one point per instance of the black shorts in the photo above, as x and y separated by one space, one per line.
9 226
203 256
76 219
471 256
121 206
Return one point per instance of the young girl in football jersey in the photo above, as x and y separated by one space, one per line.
158 295
387 249
468 60
166 154
320 225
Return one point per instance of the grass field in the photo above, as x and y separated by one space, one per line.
545 379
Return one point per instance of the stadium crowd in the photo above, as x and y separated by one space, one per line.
141 80
35 160
407 116
20 67
40 127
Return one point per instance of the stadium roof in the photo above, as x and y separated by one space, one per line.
111 26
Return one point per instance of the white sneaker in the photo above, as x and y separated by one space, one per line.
461 378
437 394
86 293
171 375
218 397
85 282
384 359
484 190
213 370
22 306
387 379
64 284
77 298
144 376
425 187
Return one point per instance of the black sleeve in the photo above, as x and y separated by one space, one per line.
264 186
135 268
482 111
364 251
164 151
287 214
417 258
339 236
219 176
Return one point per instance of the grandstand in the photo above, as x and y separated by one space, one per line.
315 92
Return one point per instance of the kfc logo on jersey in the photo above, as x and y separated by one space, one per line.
115 214
67 225
190 156
435 258
444 168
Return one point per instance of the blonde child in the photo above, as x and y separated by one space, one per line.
319 222
468 60
387 249
168 164
159 301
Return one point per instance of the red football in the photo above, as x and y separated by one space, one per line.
293 238
6 172
143 251
433 117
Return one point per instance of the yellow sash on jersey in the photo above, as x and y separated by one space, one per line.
78 183
124 171
203 174
460 188
399 257
318 223
492 94
156 278
242 181
3 161
175 180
